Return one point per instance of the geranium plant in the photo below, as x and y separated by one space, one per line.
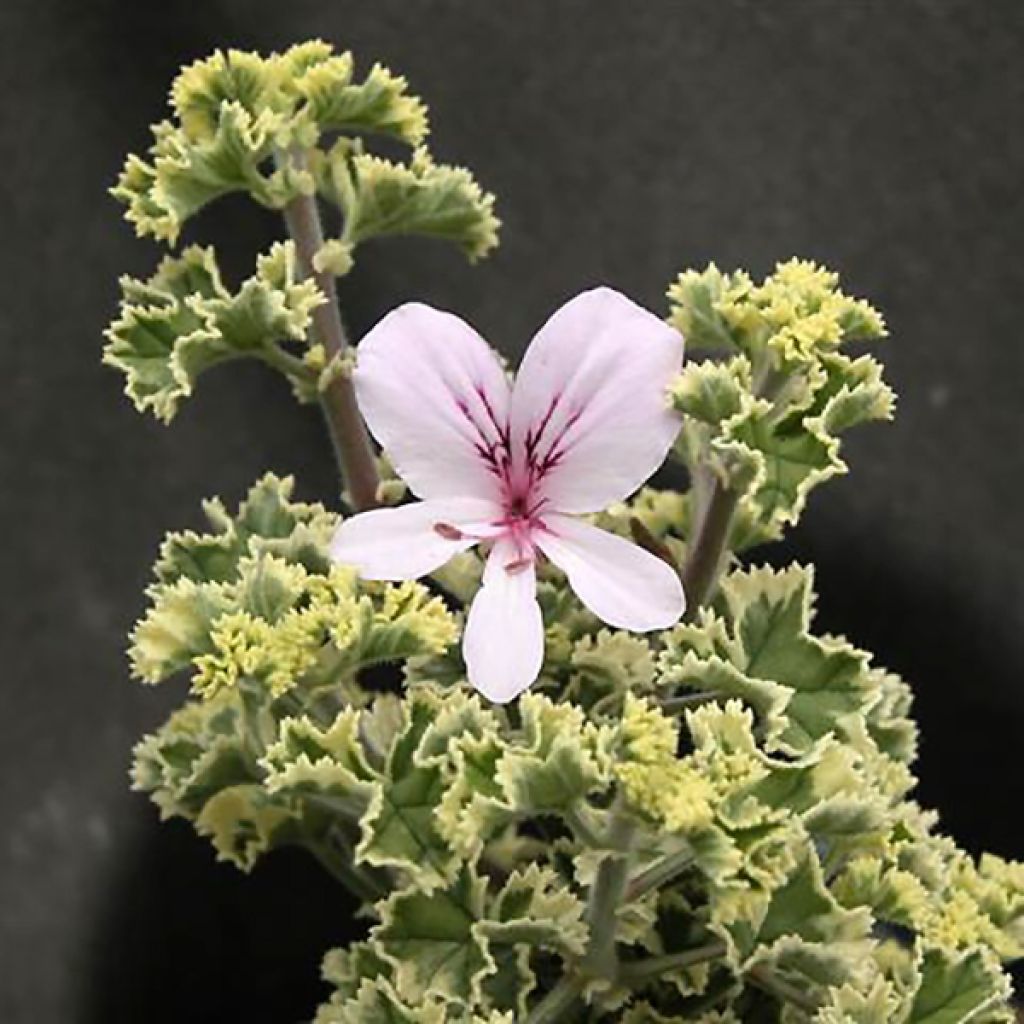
568 798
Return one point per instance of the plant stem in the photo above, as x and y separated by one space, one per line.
557 1001
348 432
671 705
643 970
601 959
776 986
339 866
579 821
704 554
658 874
276 357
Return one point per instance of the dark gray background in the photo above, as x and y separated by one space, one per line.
624 141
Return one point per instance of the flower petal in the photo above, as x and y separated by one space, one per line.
405 543
436 399
503 643
619 582
589 409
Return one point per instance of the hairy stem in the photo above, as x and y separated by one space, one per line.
348 432
707 547
641 971
560 999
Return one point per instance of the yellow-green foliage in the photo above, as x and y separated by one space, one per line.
277 128
762 771
703 826
764 412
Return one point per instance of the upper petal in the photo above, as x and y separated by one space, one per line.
619 582
436 399
405 543
589 410
503 643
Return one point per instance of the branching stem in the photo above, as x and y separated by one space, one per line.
348 432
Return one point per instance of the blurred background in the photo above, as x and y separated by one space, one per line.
624 141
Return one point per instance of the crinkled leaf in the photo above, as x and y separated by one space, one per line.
398 828
379 197
244 822
430 938
380 103
183 321
176 628
329 764
956 989
561 760
536 908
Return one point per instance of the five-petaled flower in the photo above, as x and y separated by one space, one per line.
585 424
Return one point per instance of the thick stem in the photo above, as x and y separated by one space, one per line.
348 432
707 547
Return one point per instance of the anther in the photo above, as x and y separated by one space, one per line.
448 531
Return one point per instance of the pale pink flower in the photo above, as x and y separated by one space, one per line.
586 423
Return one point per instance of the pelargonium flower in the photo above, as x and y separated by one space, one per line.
585 424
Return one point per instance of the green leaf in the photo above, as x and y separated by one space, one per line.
711 393
185 172
850 1004
379 197
770 615
232 76
562 759
176 628
695 298
430 938
199 753
536 908
381 103
244 822
183 321
766 424
392 623
398 828
956 989
376 1002
329 764
804 907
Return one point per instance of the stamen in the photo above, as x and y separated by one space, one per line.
518 566
448 531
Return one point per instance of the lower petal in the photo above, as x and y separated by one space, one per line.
504 639
410 541
619 582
